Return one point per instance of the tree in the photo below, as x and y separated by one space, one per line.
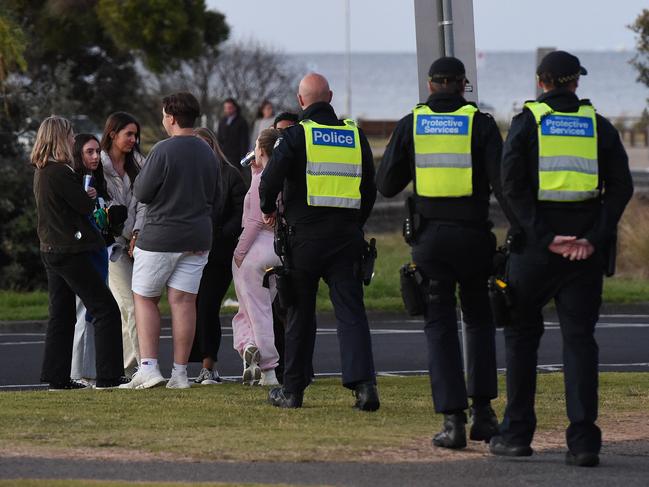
246 71
101 41
77 57
641 60
163 32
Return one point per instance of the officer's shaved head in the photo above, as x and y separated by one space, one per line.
313 88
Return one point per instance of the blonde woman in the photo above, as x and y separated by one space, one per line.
67 239
252 326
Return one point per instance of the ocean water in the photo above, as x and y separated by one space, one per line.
384 86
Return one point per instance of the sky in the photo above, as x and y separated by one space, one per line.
307 26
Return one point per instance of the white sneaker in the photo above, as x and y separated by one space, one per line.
251 355
144 378
251 371
178 380
268 378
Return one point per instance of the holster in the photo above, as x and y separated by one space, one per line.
501 296
412 222
283 282
280 242
502 301
411 285
368 260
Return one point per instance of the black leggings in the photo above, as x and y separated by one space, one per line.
217 276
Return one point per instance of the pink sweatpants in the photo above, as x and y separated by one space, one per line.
253 323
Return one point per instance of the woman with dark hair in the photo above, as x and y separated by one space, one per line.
217 273
67 239
121 160
86 162
264 120
85 153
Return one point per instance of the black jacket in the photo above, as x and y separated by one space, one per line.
233 138
397 167
539 221
228 209
286 171
64 209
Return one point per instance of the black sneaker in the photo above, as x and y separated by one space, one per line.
111 383
208 377
70 385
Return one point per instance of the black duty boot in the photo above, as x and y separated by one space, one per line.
484 423
454 433
499 446
367 397
280 398
584 459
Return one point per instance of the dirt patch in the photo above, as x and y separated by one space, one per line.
627 434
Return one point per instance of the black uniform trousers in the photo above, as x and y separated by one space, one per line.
451 254
69 275
536 276
335 258
215 282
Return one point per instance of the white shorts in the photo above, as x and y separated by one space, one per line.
152 271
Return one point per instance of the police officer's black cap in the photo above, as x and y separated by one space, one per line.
447 69
561 66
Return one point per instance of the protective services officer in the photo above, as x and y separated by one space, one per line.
325 171
451 151
566 179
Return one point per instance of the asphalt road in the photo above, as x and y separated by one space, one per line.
546 469
398 342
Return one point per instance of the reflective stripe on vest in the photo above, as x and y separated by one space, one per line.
443 163
333 164
568 169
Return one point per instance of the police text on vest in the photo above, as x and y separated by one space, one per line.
333 137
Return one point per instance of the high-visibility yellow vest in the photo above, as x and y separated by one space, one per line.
334 164
443 163
568 169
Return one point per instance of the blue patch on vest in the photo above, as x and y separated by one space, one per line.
333 137
442 125
567 126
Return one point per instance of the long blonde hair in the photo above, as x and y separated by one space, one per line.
52 142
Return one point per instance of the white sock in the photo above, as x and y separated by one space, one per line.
148 363
180 367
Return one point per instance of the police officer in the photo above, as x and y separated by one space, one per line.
566 179
326 172
451 151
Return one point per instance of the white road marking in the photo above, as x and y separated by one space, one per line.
384 373
549 325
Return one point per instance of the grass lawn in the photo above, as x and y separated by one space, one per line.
211 422
382 294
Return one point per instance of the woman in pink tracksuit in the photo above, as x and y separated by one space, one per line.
253 324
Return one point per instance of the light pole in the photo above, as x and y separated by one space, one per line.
348 51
